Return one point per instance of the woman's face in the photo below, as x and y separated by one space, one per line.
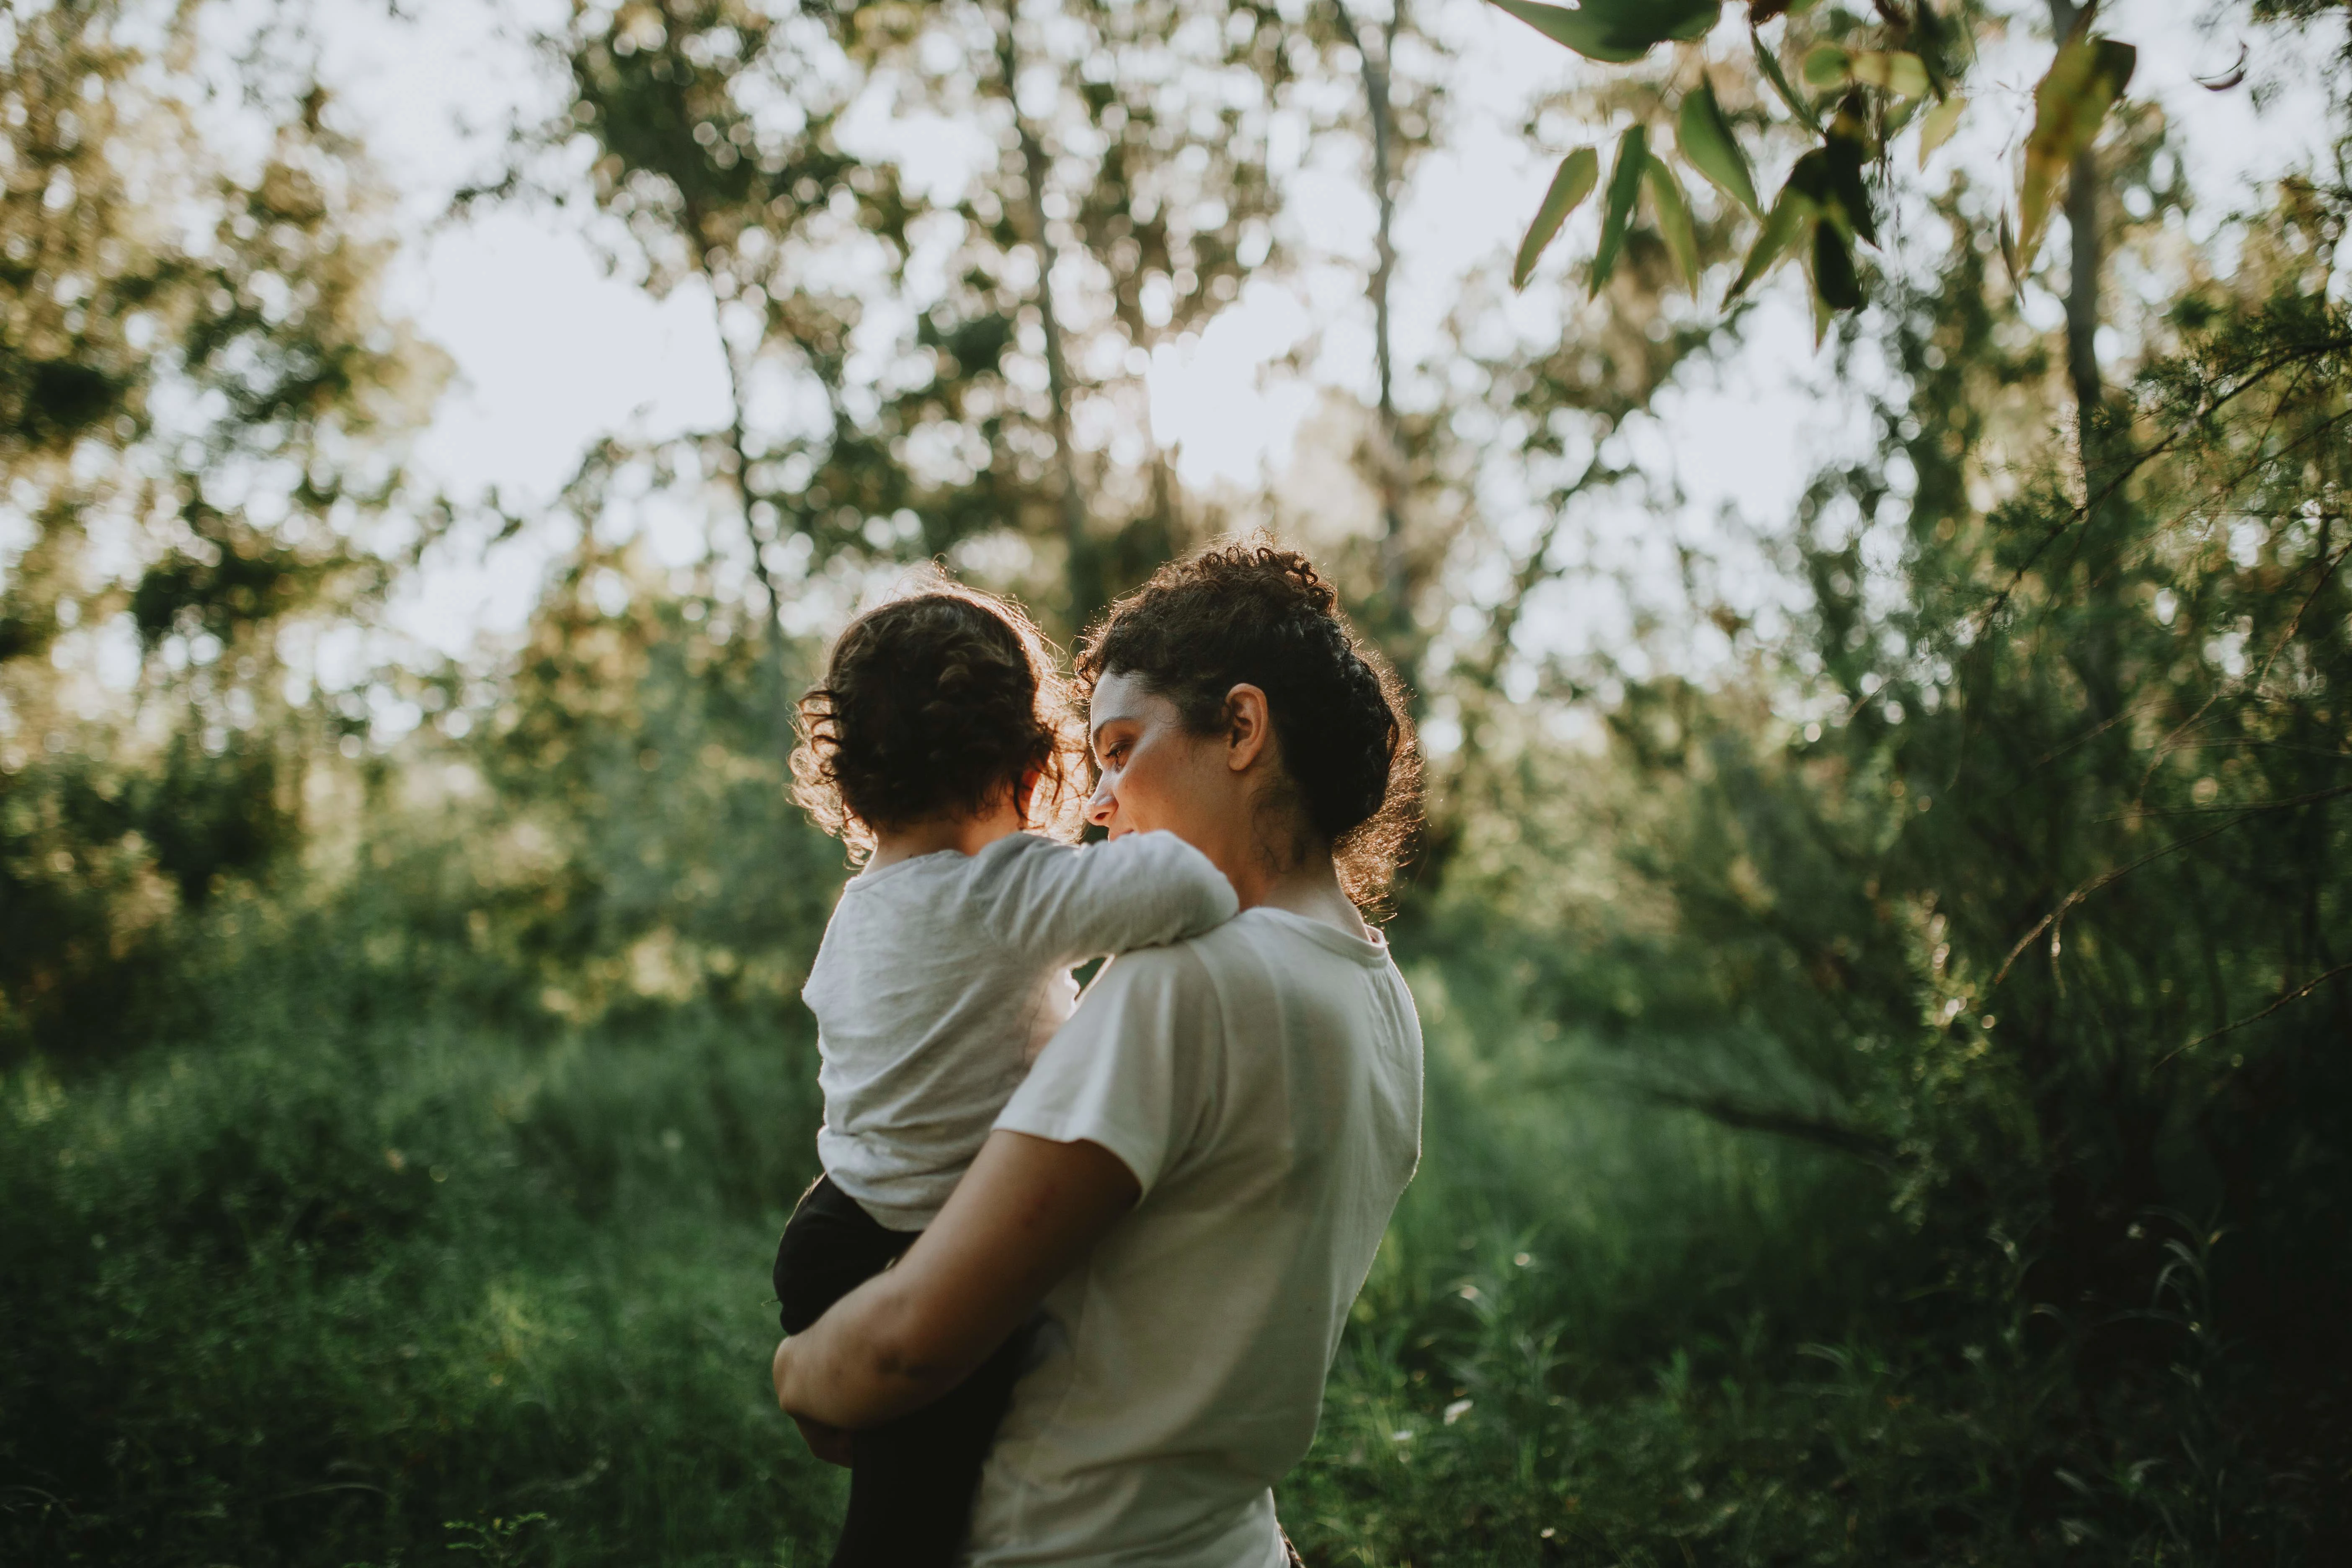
1157 774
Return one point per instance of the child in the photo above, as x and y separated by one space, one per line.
939 736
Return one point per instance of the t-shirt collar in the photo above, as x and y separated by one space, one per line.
1323 933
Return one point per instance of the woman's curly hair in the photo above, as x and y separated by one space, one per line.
936 704
1260 614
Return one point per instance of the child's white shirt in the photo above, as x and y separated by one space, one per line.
940 977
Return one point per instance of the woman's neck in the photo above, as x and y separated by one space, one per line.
930 834
1309 887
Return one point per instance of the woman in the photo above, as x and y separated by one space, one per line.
1194 1177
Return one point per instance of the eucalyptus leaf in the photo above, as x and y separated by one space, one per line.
1901 73
1706 139
2070 103
1770 64
1579 173
1826 66
1674 218
1834 278
1937 128
1616 32
1809 176
1791 210
1843 156
1625 184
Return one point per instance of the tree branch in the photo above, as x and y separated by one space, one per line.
2297 994
1815 1130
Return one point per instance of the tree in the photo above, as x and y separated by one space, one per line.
201 404
2015 868
976 397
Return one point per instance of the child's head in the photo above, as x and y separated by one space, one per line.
946 703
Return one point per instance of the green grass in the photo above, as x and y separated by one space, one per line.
309 1302
415 1294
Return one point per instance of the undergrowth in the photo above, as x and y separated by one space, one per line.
410 1295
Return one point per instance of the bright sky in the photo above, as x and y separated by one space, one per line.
551 352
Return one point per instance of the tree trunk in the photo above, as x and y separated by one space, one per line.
2082 268
771 629
1388 458
1082 571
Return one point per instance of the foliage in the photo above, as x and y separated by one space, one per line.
1886 1101
200 400
1866 77
962 400
270 1302
2013 869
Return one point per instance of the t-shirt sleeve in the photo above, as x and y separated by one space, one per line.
1134 1070
1065 904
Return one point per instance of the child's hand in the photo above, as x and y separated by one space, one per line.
830 1444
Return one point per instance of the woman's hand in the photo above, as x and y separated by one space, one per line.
830 1444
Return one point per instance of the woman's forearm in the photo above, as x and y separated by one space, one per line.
854 1368
1024 1215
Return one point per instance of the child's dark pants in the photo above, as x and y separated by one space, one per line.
911 1480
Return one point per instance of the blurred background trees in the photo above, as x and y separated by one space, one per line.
204 414
1887 1006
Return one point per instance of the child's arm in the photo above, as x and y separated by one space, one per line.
1067 904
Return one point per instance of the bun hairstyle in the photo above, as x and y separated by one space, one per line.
1261 615
940 703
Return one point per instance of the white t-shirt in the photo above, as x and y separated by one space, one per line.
1263 1081
940 976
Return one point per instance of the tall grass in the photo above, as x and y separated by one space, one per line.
1602 1332
302 1300
414 1292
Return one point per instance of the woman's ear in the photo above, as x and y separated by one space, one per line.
1249 727
1024 792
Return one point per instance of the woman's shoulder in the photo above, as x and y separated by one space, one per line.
1265 936
1185 964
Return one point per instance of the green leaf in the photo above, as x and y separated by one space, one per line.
1674 218
1937 128
1842 157
2009 256
2069 105
1902 74
1705 138
1578 171
1790 212
1826 66
1615 32
1625 184
1770 64
1834 278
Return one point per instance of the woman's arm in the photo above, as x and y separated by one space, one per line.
1021 1218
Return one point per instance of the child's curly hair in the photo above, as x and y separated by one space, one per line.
939 703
